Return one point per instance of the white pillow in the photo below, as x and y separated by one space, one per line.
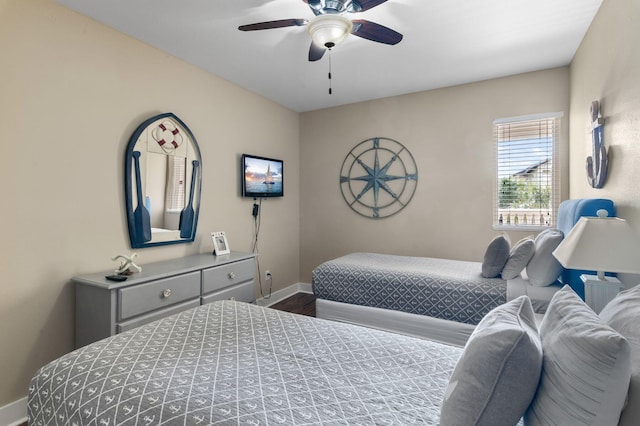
496 256
623 315
543 269
586 367
497 376
519 257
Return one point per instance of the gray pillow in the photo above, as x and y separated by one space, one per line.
543 269
623 315
519 257
496 256
586 367
496 378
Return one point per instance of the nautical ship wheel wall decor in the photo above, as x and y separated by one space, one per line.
378 177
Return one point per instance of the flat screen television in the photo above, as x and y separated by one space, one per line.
262 177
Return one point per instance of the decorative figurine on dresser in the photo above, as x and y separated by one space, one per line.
161 156
127 264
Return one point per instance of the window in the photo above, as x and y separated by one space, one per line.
527 189
175 194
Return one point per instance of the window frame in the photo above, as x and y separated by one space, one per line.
555 193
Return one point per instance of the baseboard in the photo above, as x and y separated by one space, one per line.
14 413
280 295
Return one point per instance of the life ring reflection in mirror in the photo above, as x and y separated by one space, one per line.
167 135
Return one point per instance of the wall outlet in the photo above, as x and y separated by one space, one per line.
267 274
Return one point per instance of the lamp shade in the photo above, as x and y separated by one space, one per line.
603 244
329 30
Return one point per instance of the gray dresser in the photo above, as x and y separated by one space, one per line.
105 308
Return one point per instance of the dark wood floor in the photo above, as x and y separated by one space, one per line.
299 303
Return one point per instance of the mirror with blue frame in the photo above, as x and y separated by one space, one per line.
163 176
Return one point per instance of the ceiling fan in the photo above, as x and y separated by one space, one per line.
329 26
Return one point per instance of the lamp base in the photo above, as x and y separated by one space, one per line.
600 292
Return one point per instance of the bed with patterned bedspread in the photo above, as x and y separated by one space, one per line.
440 299
236 363
447 289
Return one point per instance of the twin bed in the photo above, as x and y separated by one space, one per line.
437 299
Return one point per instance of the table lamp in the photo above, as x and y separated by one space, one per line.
603 244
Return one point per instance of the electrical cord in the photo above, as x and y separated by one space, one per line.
255 249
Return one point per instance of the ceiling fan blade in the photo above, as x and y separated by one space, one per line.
274 24
367 4
315 52
375 32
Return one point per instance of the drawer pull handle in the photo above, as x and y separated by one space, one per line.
166 293
232 275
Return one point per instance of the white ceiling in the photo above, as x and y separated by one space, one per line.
446 43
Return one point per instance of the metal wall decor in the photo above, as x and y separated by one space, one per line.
597 163
378 177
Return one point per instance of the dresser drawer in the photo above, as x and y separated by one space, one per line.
224 276
143 298
163 313
242 292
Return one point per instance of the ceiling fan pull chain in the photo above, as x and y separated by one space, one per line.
330 91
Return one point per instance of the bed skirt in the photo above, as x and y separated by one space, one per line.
415 325
424 327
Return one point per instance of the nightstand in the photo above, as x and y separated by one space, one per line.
598 292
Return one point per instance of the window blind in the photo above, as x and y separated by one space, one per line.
176 169
527 187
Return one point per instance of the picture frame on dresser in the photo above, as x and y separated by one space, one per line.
220 243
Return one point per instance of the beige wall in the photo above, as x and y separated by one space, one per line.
72 92
450 134
606 67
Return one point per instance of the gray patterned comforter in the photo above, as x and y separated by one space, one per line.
441 288
233 363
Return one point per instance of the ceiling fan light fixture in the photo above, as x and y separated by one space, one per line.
329 30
